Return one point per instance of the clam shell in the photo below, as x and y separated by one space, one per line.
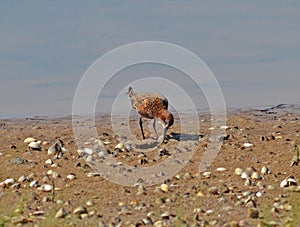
164 187
29 140
46 187
34 146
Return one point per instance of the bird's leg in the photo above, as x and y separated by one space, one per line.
141 126
165 134
154 127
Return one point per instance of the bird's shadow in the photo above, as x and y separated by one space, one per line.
185 137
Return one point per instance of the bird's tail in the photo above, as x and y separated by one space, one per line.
130 92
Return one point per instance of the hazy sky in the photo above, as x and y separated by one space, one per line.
252 47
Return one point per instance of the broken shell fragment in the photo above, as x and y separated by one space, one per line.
248 144
287 182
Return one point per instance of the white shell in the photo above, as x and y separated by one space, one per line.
34 145
224 127
221 169
34 183
121 147
248 144
245 175
265 170
9 181
71 176
46 187
238 171
49 161
29 140
289 181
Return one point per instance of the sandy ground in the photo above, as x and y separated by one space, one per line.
255 139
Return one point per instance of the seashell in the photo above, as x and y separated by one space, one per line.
238 171
71 176
80 210
34 183
9 182
22 179
54 149
61 213
248 145
207 174
89 203
289 181
165 215
224 127
255 175
164 188
29 140
265 170
120 147
34 146
50 172
46 187
49 162
221 169
245 175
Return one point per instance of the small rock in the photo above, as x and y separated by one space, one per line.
213 190
253 213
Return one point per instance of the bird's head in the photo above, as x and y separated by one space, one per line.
166 117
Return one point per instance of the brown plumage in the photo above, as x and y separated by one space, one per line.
152 106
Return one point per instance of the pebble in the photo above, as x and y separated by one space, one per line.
253 213
213 190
